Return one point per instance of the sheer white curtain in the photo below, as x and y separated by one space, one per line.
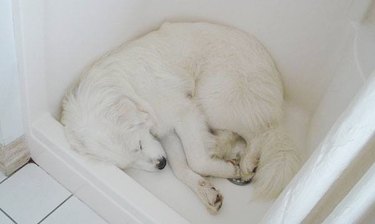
353 207
344 142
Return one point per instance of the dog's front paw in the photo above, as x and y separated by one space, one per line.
210 196
248 166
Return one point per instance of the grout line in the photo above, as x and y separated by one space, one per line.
4 180
7 177
105 220
6 214
55 209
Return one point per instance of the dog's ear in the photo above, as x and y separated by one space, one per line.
145 110
145 114
144 119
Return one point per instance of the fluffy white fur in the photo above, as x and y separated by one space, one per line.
210 94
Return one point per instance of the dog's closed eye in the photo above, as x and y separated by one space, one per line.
139 148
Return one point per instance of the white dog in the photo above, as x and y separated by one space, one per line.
210 94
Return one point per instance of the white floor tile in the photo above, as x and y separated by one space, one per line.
2 176
73 211
4 219
30 194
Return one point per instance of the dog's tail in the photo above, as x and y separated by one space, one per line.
278 163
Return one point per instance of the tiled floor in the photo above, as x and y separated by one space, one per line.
31 196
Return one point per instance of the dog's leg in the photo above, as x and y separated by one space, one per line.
208 194
192 132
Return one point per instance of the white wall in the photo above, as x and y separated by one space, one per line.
10 107
303 36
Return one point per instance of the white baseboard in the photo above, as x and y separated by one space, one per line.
13 155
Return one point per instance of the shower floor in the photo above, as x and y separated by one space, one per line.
239 205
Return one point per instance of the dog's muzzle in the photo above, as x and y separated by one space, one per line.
161 163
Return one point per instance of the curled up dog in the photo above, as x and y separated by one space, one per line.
206 98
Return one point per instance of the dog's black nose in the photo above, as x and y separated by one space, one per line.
161 163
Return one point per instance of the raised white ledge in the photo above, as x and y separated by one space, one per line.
101 186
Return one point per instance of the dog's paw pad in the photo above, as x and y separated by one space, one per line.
235 162
215 206
210 196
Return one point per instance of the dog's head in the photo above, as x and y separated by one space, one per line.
113 129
